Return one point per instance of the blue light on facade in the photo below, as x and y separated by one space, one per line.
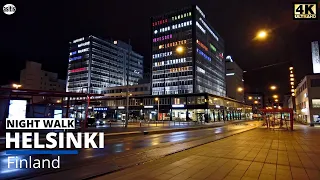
203 54
75 58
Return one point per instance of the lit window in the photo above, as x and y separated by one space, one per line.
178 16
189 13
185 15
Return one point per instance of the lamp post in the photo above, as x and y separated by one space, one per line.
157 99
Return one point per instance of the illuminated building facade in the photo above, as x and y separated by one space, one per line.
187 54
96 64
234 80
315 56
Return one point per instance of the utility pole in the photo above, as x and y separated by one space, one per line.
127 92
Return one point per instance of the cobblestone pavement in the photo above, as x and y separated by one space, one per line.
256 154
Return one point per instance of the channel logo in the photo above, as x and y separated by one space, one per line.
9 9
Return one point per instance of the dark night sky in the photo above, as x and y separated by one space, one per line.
40 31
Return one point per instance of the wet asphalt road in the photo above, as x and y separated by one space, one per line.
113 146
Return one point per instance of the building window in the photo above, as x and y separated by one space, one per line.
316 103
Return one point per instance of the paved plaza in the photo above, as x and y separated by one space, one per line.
257 154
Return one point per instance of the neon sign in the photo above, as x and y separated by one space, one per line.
180 69
181 16
203 55
72 53
176 26
84 44
172 61
211 32
78 40
202 14
160 22
83 50
77 70
160 55
200 27
162 38
173 44
202 45
213 48
75 58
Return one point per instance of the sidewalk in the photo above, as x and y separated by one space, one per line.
256 154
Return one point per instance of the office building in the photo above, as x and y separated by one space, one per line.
187 54
96 64
307 99
315 56
234 79
135 90
33 77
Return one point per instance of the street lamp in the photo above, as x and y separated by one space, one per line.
275 96
180 49
276 100
17 86
262 34
256 102
157 99
273 87
240 89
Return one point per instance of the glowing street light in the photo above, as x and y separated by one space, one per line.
275 96
250 97
157 99
256 102
17 86
276 100
180 49
262 34
273 87
240 89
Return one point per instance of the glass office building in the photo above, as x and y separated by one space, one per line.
95 64
187 54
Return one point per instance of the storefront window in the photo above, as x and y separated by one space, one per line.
181 100
316 103
179 114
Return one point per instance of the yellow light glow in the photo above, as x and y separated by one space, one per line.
58 101
292 94
273 87
215 99
292 87
262 34
156 99
276 100
250 97
291 79
292 90
240 89
180 49
275 96
292 83
291 72
290 68
291 75
16 86
256 102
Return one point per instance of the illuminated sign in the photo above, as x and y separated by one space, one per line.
177 105
160 22
168 62
229 58
75 58
180 69
160 55
84 44
162 38
72 53
77 70
173 44
202 14
100 109
115 42
200 27
213 34
83 50
202 45
201 70
315 56
121 107
230 74
148 107
181 16
203 55
213 48
78 40
176 26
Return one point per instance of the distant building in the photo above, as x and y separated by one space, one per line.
96 64
134 90
256 100
307 99
33 77
234 78
315 56
187 54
